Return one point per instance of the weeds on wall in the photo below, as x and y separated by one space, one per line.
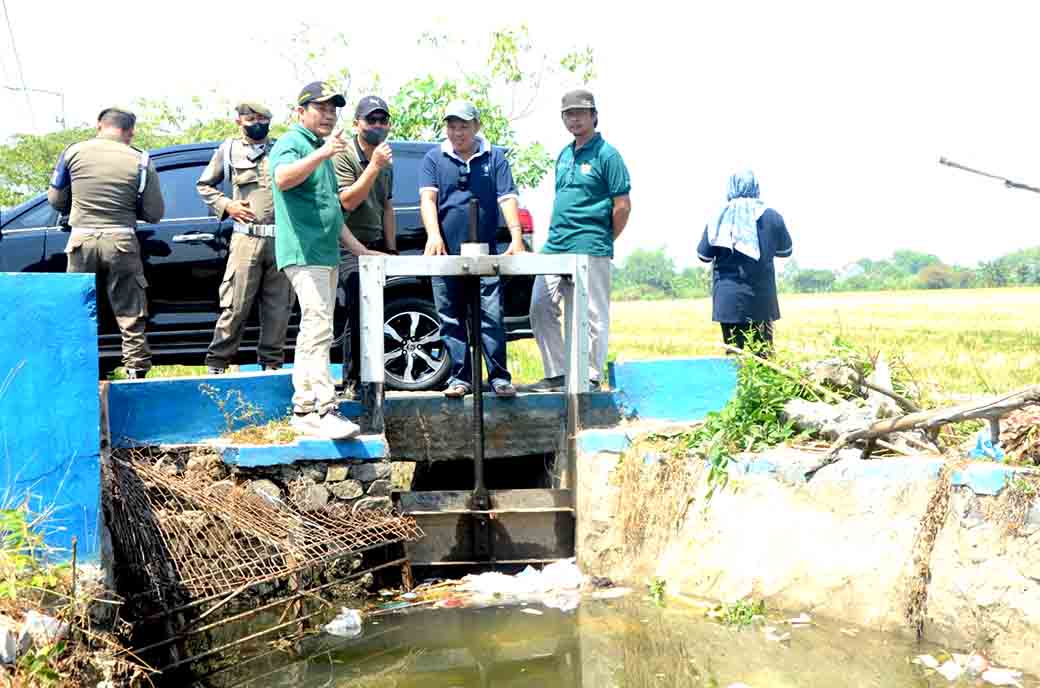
751 421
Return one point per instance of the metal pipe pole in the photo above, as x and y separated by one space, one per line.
480 494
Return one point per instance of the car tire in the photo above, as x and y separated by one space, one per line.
414 353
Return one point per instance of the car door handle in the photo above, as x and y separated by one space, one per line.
196 237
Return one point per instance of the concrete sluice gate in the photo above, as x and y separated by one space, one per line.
223 548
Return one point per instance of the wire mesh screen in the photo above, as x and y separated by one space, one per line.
184 537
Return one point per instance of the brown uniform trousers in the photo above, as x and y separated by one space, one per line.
103 205
115 257
251 268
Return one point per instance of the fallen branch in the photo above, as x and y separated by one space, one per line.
801 379
894 448
904 403
990 410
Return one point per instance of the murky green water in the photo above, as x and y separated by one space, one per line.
603 644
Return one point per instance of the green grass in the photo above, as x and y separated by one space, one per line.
956 341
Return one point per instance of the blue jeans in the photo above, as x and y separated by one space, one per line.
451 296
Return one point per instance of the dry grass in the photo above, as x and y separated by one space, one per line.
1012 505
275 432
656 481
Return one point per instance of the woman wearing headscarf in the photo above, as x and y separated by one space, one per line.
741 242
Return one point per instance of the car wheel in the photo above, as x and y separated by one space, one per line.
414 355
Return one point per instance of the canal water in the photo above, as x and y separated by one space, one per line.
623 643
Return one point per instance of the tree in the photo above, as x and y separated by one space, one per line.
506 87
813 280
913 262
993 274
693 282
936 276
514 73
27 161
649 270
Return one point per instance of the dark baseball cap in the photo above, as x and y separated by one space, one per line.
578 99
369 104
320 92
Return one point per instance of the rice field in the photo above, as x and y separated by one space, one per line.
957 341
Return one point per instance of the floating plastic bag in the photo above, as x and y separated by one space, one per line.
347 624
984 447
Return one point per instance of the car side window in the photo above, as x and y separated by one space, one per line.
40 215
406 179
181 199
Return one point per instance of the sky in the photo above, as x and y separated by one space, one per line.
842 109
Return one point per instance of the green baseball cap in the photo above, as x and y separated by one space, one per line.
462 109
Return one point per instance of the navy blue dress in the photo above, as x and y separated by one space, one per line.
744 290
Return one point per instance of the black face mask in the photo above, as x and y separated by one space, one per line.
258 131
375 135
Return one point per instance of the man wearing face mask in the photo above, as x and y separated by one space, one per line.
251 266
365 176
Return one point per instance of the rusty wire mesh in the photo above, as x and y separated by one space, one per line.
184 537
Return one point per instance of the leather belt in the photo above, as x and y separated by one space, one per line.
254 230
104 230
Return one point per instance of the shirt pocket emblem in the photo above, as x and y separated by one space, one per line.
586 168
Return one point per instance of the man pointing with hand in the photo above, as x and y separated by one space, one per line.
309 229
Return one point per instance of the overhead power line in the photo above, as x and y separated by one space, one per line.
18 65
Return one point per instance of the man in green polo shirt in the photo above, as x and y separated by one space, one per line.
309 226
365 174
589 213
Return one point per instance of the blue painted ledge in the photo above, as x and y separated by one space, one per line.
682 389
363 447
596 441
984 479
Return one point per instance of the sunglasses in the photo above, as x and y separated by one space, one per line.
463 181
378 119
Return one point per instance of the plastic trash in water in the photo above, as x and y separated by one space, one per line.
984 447
951 670
347 624
1002 677
43 629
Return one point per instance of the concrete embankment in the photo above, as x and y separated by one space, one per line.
890 544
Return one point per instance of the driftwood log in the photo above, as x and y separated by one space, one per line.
991 409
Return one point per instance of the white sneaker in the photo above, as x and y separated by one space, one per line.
306 423
333 426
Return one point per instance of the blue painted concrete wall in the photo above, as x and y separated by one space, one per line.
49 408
181 410
684 389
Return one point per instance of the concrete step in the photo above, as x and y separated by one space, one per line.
362 447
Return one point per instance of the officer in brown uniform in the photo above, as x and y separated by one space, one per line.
251 267
106 186
365 177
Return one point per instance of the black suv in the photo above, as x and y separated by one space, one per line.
185 254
